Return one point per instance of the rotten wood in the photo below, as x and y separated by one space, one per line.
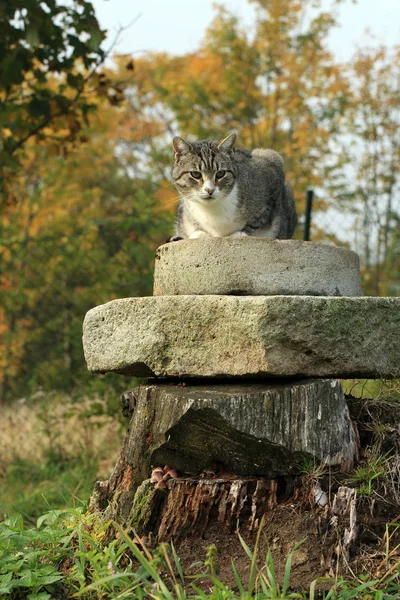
192 505
344 509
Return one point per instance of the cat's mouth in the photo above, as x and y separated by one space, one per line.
207 198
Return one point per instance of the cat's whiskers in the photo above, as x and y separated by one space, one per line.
190 197
170 185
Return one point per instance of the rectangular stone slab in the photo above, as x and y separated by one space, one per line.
253 336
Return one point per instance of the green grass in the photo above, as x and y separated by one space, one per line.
53 451
70 554
58 480
378 389
371 471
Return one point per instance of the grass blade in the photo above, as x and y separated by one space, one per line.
288 567
253 566
200 592
245 547
103 580
238 580
145 563
177 564
270 571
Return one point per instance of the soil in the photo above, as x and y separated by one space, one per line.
318 555
284 526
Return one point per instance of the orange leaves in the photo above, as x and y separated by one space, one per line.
166 197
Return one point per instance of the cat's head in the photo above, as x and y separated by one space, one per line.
204 171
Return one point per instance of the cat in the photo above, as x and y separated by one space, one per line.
230 192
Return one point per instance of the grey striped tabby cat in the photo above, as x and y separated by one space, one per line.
228 192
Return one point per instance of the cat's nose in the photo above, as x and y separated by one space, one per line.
210 190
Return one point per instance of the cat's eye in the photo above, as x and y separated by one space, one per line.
220 174
196 174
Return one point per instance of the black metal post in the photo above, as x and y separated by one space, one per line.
307 221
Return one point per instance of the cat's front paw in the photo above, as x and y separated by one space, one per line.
239 234
198 234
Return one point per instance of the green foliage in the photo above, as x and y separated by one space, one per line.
25 572
47 53
211 560
311 470
55 268
384 588
383 390
262 582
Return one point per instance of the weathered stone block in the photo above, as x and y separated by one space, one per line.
255 267
253 336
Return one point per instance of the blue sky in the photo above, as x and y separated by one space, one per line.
176 26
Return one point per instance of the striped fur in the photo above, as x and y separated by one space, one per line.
231 192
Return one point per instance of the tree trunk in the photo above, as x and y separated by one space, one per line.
234 431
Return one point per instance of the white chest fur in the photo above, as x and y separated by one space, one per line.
220 217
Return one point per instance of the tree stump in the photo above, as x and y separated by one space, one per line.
245 434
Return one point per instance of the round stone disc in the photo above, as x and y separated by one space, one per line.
255 267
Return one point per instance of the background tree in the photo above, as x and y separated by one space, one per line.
371 179
85 233
69 237
48 53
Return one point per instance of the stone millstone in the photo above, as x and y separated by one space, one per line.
255 267
253 336
233 430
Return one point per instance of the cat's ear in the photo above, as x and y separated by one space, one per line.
228 143
181 146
